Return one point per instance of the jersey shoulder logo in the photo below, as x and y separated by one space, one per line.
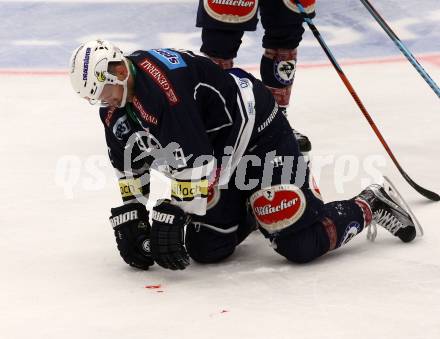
121 128
171 59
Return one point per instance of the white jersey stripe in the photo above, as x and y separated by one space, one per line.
217 229
245 97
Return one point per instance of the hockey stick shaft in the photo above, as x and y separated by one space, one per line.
382 23
423 191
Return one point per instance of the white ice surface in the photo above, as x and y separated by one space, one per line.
61 275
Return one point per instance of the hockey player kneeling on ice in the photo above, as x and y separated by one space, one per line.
183 115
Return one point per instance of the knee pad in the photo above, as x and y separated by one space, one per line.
210 244
304 246
277 69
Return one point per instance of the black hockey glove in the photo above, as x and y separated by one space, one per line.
132 231
167 233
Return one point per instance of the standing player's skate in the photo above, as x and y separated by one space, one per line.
390 211
304 143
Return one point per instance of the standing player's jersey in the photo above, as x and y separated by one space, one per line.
190 117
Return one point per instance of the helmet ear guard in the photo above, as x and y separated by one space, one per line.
89 69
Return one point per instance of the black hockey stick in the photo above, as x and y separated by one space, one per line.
405 51
423 191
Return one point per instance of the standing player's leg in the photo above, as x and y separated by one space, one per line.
283 33
223 27
221 46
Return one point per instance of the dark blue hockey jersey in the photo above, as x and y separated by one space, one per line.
188 119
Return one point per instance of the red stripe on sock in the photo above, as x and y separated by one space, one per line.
366 210
330 228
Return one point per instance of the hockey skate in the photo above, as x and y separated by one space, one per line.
304 143
390 211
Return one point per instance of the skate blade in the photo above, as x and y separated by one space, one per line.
394 193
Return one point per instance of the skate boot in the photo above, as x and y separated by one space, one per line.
388 213
304 143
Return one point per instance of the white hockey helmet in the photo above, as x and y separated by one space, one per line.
89 69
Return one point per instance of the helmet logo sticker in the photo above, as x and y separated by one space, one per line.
100 76
100 69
